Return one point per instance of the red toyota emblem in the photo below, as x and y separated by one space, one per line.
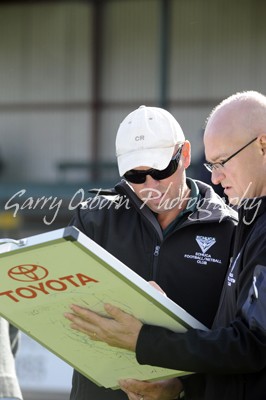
28 273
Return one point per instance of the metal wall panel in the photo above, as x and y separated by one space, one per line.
45 76
44 52
130 50
217 48
55 96
33 143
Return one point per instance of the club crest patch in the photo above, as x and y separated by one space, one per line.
205 242
204 257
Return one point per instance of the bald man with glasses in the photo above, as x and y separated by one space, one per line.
166 227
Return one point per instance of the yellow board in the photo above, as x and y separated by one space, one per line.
47 273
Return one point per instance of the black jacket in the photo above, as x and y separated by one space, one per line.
233 353
189 264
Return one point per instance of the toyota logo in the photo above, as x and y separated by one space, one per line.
28 273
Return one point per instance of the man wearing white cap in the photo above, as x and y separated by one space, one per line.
164 226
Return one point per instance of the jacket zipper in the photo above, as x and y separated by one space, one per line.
156 251
155 262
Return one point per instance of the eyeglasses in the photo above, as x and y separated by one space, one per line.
135 176
214 166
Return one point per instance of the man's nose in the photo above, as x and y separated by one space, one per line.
217 176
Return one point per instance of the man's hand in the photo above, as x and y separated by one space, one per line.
120 330
167 389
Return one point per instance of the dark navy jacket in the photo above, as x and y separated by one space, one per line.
233 354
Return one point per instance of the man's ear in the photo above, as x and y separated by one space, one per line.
186 153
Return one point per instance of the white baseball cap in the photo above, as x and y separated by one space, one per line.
147 137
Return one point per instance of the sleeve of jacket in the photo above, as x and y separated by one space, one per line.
238 348
94 219
83 219
228 350
77 220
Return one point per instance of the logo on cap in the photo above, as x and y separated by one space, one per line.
138 138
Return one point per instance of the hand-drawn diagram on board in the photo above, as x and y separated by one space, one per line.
43 277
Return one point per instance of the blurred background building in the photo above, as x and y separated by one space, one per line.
70 71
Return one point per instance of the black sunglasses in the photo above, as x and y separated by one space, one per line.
135 176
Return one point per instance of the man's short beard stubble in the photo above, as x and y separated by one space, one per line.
165 204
